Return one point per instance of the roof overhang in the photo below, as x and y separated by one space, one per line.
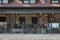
29 7
29 10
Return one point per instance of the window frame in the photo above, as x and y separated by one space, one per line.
29 2
32 3
25 0
3 2
3 19
34 20
54 3
6 2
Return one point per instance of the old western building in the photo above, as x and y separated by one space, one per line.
30 16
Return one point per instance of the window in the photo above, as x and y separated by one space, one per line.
32 1
29 1
22 20
2 19
0 1
26 1
54 1
54 25
34 20
3 1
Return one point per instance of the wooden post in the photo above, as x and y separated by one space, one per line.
40 21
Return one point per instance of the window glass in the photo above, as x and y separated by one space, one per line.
26 1
2 19
54 1
5 1
29 1
32 1
34 20
54 25
21 21
0 1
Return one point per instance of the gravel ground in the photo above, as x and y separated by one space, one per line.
29 36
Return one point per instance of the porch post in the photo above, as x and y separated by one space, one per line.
39 21
15 15
9 20
52 19
15 20
9 23
51 23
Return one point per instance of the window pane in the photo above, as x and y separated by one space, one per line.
34 20
54 1
26 1
2 19
21 21
0 1
5 1
32 1
54 25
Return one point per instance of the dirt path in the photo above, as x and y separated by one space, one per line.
29 36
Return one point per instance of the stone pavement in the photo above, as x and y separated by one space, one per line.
29 36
